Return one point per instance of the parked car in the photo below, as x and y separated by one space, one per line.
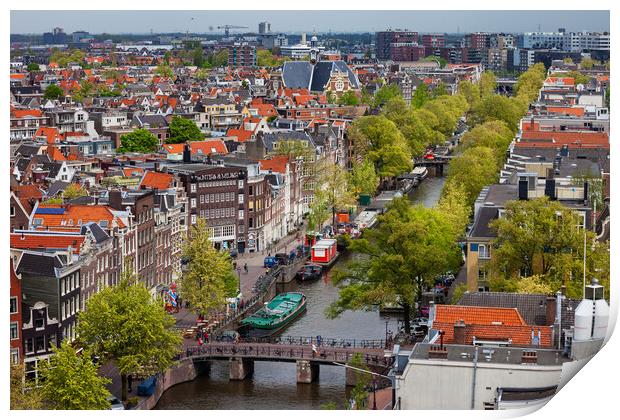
115 403
420 330
228 337
269 262
419 321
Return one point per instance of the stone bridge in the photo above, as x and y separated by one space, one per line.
243 355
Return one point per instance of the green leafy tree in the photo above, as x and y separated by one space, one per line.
409 248
440 90
33 67
487 84
420 96
417 126
140 140
219 59
470 91
124 324
198 56
363 179
348 98
453 205
540 237
587 63
333 188
493 134
206 282
331 97
318 214
385 93
359 393
74 191
448 110
379 140
502 108
265 58
530 82
71 382
472 170
183 130
164 71
24 395
53 92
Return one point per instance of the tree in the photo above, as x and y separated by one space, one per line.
333 188
440 90
417 126
363 179
183 130
470 91
586 63
74 191
493 134
487 84
359 394
472 170
124 324
453 205
530 82
420 96
331 97
448 110
71 382
502 108
348 98
53 92
204 283
218 59
409 248
33 67
140 140
580 78
540 237
24 394
164 71
385 93
379 140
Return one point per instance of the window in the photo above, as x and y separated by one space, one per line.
39 323
40 344
192 188
12 211
15 356
240 183
13 304
14 331
483 252
251 222
193 219
28 346
241 216
240 198
193 203
251 190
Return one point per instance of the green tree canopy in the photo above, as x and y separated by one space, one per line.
378 139
332 188
420 96
472 170
140 140
502 108
206 283
385 93
487 84
24 395
53 92
470 91
363 179
124 324
164 71
348 98
409 248
183 130
71 382
74 191
540 237
33 67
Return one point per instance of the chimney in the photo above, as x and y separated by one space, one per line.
303 38
459 332
529 357
156 166
187 153
115 199
550 318
550 188
523 188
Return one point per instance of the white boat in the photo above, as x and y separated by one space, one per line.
420 172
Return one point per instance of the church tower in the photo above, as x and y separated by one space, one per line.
314 49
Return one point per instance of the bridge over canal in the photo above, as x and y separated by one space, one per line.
299 350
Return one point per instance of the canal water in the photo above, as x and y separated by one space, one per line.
273 385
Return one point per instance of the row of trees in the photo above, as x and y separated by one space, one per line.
143 141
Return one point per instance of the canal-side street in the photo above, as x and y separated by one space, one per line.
273 384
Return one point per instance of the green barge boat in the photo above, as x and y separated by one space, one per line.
277 313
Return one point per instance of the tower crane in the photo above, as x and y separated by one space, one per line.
227 28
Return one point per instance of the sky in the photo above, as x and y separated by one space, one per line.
109 21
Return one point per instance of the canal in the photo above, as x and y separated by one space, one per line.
273 386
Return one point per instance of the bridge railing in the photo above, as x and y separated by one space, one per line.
282 353
321 342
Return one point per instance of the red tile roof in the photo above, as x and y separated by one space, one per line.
47 241
55 154
204 147
559 138
73 215
477 315
274 164
51 133
156 180
22 113
129 172
241 134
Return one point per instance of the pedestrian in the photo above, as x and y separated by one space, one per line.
313 350
200 341
245 268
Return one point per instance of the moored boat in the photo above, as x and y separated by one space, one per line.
277 313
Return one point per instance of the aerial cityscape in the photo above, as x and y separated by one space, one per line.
222 211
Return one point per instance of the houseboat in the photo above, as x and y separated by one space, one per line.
277 313
420 172
325 252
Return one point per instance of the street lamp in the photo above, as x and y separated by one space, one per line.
374 387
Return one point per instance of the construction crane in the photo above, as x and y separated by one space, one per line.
227 28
